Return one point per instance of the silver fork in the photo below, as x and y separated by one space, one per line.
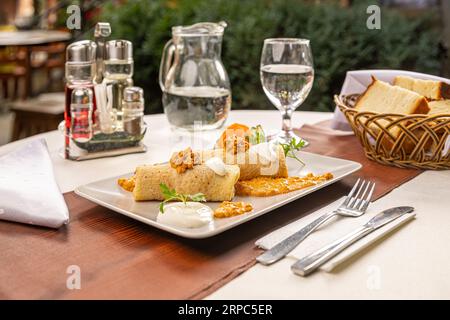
354 205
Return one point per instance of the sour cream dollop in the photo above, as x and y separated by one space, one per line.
189 215
217 165
266 152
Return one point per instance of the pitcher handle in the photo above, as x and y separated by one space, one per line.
166 63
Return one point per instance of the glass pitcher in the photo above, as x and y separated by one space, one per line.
196 89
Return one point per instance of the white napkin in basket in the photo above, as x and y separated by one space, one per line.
28 190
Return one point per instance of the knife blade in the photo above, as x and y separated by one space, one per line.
386 216
308 264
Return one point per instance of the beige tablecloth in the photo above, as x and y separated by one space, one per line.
411 263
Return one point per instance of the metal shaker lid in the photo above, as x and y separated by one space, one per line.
81 96
81 51
133 94
119 50
102 29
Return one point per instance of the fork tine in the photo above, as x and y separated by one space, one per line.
366 202
360 200
352 202
350 194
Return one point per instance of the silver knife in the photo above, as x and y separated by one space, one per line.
308 264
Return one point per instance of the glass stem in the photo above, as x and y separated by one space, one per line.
287 124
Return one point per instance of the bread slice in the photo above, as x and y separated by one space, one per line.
431 89
438 107
381 97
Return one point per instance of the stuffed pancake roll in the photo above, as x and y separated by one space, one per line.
197 179
264 159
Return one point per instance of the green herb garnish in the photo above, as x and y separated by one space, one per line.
292 146
257 135
172 195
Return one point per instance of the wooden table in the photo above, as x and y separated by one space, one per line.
32 37
411 263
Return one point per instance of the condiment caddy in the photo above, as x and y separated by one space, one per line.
104 112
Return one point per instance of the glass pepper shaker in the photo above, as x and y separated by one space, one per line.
118 73
133 110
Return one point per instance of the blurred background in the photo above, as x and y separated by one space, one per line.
414 35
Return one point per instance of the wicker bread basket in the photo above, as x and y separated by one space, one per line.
408 141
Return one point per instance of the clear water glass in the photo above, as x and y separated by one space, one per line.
287 75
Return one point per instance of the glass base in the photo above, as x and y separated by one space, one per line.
286 137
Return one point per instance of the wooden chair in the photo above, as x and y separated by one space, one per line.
55 59
13 69
17 65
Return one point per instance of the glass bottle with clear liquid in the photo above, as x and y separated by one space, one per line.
118 74
195 85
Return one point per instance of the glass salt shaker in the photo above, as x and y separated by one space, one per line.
118 73
133 110
81 110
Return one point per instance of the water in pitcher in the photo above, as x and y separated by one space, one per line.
188 107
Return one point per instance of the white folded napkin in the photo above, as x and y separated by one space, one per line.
28 190
357 82
334 229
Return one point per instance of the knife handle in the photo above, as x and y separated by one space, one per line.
308 264
287 245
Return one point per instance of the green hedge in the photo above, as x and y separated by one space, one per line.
339 38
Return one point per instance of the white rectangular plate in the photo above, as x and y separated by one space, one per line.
109 194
